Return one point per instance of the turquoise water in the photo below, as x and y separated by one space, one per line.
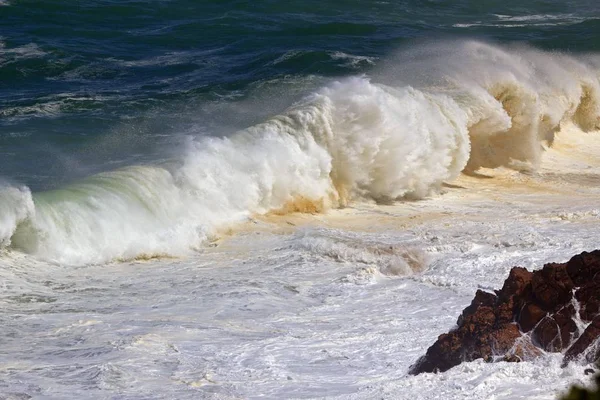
92 86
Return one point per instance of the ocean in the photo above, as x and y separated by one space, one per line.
236 200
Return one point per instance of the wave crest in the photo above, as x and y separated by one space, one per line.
16 205
461 106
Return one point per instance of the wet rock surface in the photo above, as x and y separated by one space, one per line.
555 309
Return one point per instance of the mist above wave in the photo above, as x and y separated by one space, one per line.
437 110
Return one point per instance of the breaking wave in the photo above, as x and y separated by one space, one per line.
479 105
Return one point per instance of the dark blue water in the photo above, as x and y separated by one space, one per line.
95 85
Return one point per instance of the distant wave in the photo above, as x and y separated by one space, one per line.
54 105
348 60
490 106
538 17
507 21
30 50
353 60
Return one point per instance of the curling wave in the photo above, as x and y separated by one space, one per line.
479 106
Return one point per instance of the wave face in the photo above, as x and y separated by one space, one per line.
467 105
16 206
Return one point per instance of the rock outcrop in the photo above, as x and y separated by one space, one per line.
555 309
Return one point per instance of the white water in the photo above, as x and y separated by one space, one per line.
480 106
337 304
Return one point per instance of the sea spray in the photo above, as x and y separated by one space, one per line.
516 96
351 139
389 143
475 105
16 205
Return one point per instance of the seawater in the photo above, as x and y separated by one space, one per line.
235 200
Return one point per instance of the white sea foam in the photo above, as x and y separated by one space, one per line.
358 138
16 205
377 256
281 310
306 315
320 153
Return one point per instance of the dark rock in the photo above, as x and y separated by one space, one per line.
552 286
530 316
546 334
584 267
516 284
553 333
533 311
584 342
588 298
